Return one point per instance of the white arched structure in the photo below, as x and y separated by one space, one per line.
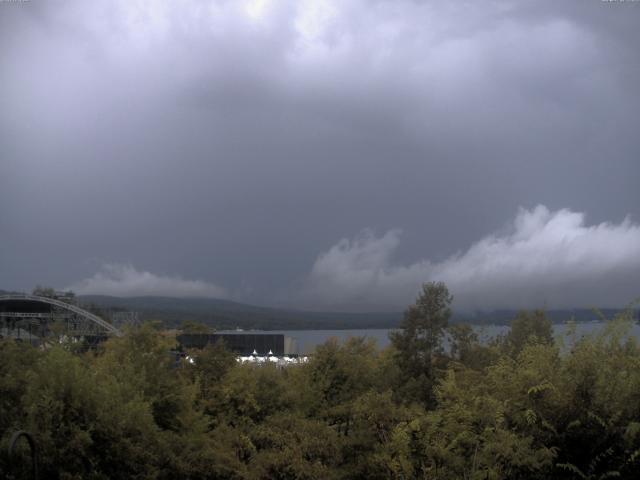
108 328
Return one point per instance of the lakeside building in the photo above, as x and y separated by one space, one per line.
244 344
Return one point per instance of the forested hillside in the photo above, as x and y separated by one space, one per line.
525 406
225 314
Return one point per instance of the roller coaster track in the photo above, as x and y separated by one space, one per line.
109 329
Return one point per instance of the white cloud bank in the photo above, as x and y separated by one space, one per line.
546 258
123 280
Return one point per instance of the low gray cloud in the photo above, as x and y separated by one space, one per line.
124 280
543 258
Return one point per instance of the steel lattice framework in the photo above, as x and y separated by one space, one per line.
77 321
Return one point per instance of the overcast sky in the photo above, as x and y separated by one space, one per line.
323 154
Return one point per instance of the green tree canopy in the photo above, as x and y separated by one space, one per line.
420 338
529 327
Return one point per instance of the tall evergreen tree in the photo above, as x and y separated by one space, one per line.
420 338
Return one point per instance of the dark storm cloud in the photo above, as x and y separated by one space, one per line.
231 142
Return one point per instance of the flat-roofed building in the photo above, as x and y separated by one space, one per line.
276 344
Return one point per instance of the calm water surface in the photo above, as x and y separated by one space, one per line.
309 339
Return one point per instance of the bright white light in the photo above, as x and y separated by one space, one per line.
257 8
314 18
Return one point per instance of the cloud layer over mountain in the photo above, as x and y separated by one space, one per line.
544 258
125 281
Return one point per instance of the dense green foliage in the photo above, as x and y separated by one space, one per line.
523 407
418 342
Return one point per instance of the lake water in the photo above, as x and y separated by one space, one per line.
309 339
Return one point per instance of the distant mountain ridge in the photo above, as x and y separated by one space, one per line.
225 314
